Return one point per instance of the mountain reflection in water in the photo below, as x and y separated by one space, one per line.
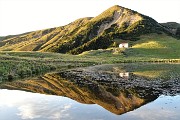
117 88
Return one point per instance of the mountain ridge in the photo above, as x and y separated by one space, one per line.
89 33
174 27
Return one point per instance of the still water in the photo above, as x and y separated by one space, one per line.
106 92
17 105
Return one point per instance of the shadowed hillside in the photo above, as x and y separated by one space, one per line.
86 33
174 27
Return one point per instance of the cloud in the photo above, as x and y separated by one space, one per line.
33 105
146 114
33 110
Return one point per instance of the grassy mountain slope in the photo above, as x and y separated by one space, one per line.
87 33
42 39
155 46
150 47
174 27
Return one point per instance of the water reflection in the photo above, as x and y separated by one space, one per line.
16 105
24 105
115 100
124 75
117 88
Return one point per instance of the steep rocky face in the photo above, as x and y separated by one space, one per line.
116 15
86 33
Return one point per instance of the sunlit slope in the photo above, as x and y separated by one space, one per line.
86 33
155 46
42 40
149 47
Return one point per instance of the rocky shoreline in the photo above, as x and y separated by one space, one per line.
86 77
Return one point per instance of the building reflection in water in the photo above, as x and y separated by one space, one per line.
114 89
124 75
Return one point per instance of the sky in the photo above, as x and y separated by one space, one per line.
20 16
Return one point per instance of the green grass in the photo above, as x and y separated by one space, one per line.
154 46
150 48
10 70
17 65
153 71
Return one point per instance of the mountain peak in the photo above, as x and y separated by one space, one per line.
116 7
85 34
118 16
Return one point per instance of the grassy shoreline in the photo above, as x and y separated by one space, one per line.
18 65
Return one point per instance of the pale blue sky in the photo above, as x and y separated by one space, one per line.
19 16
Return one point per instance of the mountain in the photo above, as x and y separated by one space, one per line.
86 34
173 26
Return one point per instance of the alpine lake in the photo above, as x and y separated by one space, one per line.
129 91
